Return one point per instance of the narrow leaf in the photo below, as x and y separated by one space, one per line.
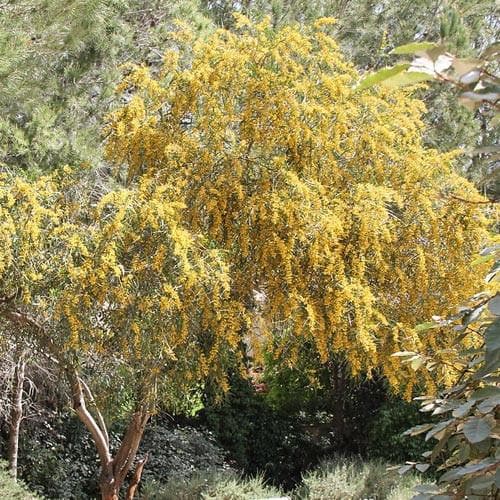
381 75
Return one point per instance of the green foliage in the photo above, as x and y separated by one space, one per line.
57 459
12 490
176 453
210 486
261 439
386 439
351 479
59 65
468 442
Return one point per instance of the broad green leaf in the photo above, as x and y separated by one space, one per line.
407 78
381 75
482 482
477 429
485 392
414 48
438 428
459 472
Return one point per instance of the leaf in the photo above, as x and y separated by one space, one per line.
494 305
462 410
492 338
402 354
482 260
416 363
405 468
492 363
490 250
381 75
482 482
489 405
407 78
414 48
485 392
458 472
418 429
438 428
477 429
422 467
426 326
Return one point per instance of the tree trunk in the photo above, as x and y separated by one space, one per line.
113 469
16 415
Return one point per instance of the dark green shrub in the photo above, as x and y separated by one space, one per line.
58 459
386 440
262 439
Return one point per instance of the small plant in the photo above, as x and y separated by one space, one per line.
12 490
351 479
210 486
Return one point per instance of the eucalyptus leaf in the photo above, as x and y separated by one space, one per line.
414 48
407 78
381 75
477 429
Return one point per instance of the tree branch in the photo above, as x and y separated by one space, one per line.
87 419
100 419
130 444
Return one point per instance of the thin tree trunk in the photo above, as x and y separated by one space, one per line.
113 469
16 415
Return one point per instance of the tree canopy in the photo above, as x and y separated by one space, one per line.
323 198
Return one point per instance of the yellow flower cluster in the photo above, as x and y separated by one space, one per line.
323 199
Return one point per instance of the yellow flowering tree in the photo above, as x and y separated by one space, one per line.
114 277
341 228
258 193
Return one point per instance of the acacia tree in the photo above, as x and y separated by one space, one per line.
119 280
323 197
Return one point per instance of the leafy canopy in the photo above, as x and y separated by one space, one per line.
341 229
118 279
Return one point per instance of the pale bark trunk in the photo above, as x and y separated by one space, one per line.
16 415
113 469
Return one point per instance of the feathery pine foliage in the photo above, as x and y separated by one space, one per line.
58 69
323 198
